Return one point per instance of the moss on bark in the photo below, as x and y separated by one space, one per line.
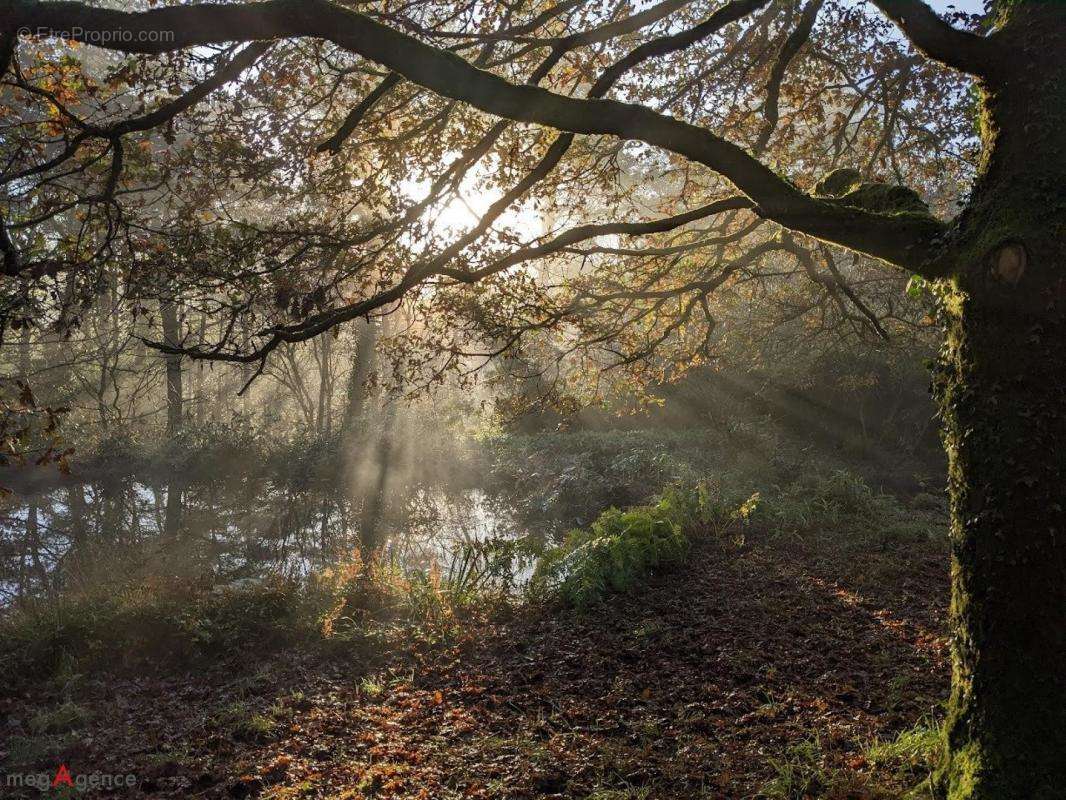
1002 393
1005 431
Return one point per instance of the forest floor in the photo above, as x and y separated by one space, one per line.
768 670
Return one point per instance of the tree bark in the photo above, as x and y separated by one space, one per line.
1002 392
1004 404
324 423
377 494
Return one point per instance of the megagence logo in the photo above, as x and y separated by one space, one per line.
63 779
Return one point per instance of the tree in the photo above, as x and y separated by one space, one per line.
689 75
171 325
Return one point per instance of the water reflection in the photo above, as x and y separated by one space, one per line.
116 532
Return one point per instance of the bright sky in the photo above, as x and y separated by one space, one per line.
940 6
969 6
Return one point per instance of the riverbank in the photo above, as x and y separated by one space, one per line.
774 666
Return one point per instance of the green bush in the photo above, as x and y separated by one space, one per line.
619 549
567 478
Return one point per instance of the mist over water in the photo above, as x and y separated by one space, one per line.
125 530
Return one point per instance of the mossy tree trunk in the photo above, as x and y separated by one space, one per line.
1002 388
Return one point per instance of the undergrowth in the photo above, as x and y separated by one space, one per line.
843 505
621 547
905 764
352 607
357 605
912 756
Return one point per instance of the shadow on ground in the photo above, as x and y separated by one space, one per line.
761 671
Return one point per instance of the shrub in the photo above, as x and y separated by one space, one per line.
151 623
843 503
561 477
618 549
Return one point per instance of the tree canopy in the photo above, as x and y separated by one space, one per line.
638 177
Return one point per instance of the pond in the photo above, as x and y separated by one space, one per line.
123 531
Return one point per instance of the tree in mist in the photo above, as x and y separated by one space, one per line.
683 161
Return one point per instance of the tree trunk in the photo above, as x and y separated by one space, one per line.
79 516
172 336
1001 384
175 507
362 368
175 413
377 494
198 399
325 385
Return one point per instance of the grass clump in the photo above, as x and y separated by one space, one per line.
51 732
913 754
799 774
23 751
61 719
239 721
804 772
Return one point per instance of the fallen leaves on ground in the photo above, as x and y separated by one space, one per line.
700 685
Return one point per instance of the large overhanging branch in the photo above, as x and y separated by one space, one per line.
438 265
907 240
452 176
961 50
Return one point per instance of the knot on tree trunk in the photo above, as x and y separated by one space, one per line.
1009 261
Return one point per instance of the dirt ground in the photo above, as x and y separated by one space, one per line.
760 671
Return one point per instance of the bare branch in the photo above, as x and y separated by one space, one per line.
355 116
231 70
234 67
585 232
791 46
323 322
